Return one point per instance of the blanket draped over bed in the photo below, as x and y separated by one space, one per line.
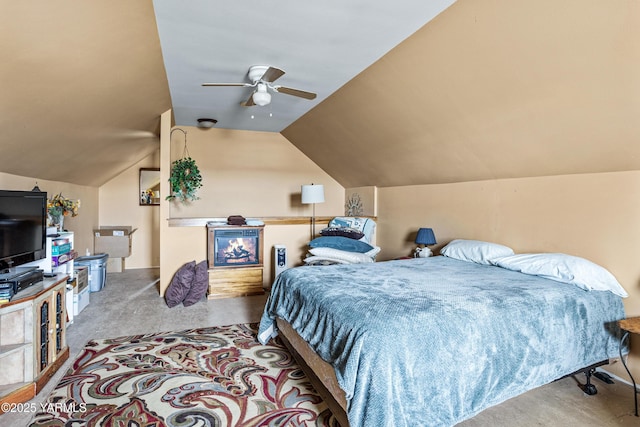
432 342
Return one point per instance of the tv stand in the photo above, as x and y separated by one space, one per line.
33 343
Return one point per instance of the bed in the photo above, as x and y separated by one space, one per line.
434 341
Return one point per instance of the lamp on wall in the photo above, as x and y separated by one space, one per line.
424 237
312 194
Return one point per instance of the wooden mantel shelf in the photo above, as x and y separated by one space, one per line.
268 220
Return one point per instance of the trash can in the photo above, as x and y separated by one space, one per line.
97 270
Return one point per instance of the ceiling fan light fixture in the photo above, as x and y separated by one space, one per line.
207 123
261 97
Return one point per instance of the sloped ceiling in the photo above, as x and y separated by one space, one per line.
83 87
488 89
320 46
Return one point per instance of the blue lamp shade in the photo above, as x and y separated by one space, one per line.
426 237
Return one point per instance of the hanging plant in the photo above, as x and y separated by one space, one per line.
185 178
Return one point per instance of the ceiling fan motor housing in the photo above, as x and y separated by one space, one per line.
256 72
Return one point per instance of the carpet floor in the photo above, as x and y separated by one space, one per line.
217 376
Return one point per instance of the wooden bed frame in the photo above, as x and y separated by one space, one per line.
323 378
320 373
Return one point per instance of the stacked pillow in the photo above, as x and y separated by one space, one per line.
346 240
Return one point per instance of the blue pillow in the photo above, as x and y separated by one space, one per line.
342 243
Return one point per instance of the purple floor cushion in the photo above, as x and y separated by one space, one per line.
199 286
180 284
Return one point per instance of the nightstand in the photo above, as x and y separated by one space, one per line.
630 326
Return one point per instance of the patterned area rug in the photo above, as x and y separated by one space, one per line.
216 376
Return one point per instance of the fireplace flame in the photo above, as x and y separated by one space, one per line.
236 249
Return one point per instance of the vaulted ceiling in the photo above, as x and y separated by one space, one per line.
83 87
477 90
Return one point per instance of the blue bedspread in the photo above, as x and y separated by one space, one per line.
434 341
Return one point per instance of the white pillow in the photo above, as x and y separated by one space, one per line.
565 268
373 252
339 255
475 251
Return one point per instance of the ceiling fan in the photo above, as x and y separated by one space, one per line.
262 77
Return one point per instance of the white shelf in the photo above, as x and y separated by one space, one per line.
46 264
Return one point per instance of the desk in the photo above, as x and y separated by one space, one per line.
631 325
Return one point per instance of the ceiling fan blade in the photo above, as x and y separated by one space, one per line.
249 102
295 92
272 74
227 84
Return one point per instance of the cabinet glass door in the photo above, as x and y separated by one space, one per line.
43 341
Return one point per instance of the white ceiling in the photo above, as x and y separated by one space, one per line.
320 46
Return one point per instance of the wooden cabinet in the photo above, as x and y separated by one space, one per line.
33 343
235 282
50 339
235 258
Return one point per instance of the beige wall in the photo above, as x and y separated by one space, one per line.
594 216
253 174
82 225
119 205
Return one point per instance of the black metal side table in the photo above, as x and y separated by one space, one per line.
629 326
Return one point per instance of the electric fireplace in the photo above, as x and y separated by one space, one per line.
234 246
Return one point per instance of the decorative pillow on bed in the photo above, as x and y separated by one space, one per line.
337 254
180 284
351 233
342 243
475 251
365 225
565 268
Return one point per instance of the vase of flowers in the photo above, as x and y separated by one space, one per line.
58 207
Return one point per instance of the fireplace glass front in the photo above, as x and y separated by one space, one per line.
236 247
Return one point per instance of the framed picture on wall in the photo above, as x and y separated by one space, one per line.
149 189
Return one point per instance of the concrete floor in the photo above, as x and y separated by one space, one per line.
129 304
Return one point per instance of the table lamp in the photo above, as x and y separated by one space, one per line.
424 237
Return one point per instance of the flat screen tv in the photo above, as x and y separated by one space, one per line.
23 232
